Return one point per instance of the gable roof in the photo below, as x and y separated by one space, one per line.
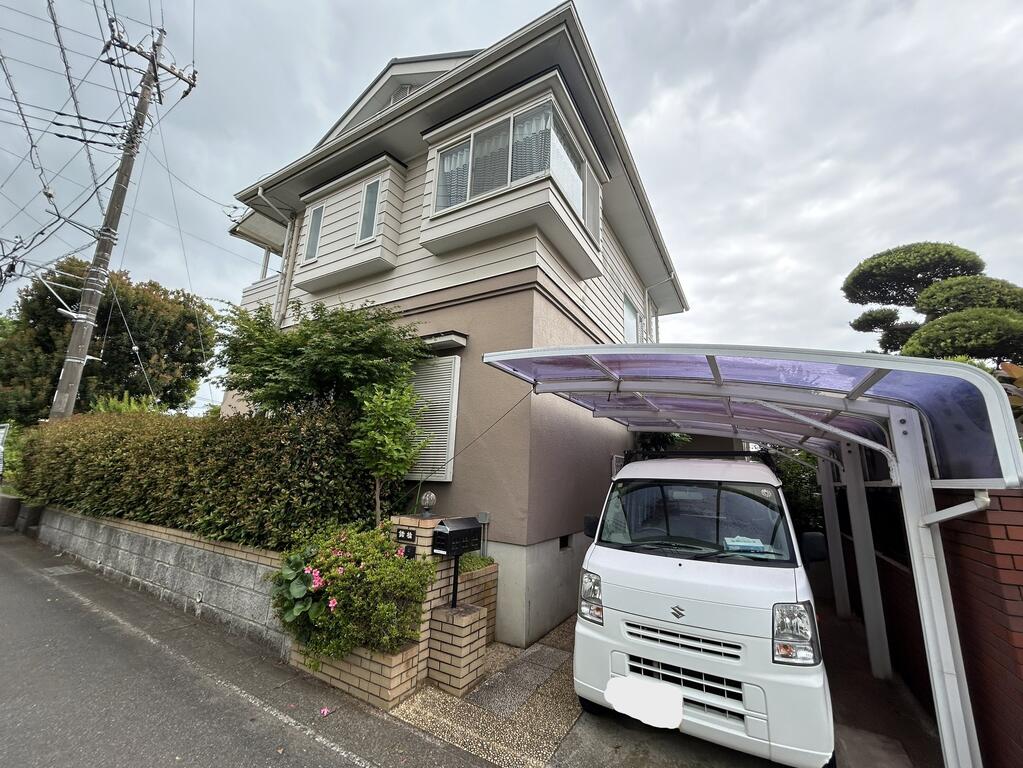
555 41
413 70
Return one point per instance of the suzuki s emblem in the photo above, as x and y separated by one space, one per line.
678 611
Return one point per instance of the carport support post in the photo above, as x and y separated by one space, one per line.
866 562
836 555
937 614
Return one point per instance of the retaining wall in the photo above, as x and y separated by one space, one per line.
210 579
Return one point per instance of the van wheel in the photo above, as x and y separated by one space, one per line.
592 707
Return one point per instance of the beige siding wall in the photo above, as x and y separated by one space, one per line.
418 271
262 292
602 297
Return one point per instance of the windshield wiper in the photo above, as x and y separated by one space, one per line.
734 553
658 544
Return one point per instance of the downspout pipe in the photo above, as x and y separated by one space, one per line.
646 303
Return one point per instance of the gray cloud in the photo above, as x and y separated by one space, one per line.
780 142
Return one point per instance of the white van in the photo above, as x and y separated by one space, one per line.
695 612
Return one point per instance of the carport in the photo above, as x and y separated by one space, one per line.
871 420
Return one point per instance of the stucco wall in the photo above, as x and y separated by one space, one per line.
493 474
213 580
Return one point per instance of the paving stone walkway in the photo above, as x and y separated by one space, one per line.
518 715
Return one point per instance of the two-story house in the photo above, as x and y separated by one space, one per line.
492 197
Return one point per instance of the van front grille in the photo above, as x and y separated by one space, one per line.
684 641
715 685
733 717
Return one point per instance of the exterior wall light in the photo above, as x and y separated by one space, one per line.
428 502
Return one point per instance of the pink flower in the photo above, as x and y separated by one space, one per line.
400 552
340 571
317 579
325 711
336 552
332 604
308 569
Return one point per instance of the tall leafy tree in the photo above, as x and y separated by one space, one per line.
966 313
173 330
327 355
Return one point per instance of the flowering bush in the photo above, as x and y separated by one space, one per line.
347 588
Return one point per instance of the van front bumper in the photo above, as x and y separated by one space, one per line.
778 712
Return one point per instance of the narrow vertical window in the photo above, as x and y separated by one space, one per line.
489 159
631 323
531 142
312 241
591 205
567 167
368 220
452 176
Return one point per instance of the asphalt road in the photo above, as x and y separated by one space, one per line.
94 674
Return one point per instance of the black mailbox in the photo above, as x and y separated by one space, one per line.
457 536
453 538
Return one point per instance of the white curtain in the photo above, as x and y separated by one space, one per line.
531 142
452 176
489 159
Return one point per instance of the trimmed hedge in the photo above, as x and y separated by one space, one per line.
264 481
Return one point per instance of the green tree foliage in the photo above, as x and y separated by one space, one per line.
126 403
897 276
802 493
328 355
981 333
164 324
894 336
262 480
959 293
387 438
878 319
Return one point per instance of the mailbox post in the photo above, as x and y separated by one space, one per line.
455 537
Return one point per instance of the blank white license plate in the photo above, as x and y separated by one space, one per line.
653 702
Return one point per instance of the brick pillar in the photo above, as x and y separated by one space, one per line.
458 637
984 554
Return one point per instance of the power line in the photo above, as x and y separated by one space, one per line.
61 74
46 21
181 237
33 150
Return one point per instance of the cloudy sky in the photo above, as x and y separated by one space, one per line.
780 142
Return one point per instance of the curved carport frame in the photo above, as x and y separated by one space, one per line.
911 423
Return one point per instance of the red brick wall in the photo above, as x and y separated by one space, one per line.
984 553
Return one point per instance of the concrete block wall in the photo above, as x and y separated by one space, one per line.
984 556
214 580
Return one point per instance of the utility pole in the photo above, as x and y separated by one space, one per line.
99 272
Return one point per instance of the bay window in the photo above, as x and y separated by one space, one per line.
524 146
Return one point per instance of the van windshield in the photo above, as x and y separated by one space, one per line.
726 521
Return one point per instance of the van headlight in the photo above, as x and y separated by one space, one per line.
591 607
795 635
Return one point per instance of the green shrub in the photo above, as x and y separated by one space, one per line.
347 588
259 480
470 561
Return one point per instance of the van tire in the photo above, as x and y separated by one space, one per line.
592 707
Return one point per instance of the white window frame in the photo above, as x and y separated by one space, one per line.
509 118
446 473
626 305
359 240
306 258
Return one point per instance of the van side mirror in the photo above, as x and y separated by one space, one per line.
813 546
590 525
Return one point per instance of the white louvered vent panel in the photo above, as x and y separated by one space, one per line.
436 383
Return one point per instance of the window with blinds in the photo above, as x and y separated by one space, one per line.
489 159
368 219
525 145
452 176
436 383
312 240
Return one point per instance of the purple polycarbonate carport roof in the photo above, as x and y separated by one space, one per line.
792 397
